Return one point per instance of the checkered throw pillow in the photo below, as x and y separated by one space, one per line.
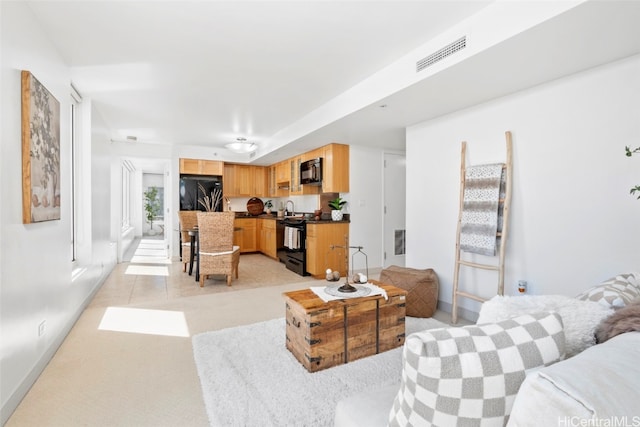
615 292
470 375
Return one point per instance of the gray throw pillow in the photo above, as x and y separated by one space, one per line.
615 292
471 375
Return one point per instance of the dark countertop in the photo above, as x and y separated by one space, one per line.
262 216
275 217
326 221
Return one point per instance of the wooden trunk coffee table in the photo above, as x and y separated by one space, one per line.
324 334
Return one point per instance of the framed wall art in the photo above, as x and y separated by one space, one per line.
40 152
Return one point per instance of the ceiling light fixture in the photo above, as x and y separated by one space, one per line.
241 146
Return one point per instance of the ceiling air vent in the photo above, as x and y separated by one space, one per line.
449 49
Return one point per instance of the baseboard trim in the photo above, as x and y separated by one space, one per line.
468 315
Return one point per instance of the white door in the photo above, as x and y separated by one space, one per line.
395 172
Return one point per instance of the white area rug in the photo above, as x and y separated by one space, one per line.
249 378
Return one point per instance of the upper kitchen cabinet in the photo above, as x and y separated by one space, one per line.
275 190
335 168
313 154
282 171
244 181
201 167
261 181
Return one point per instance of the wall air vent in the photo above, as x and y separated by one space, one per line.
442 53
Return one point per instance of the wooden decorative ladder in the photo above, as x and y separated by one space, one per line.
502 234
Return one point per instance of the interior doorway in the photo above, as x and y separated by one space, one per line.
395 184
153 225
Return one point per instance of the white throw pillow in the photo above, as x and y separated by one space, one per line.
580 318
471 375
598 387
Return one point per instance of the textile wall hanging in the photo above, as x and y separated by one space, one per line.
40 152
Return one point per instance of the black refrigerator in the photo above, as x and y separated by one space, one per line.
194 187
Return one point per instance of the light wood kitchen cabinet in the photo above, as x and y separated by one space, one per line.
245 234
335 168
283 173
335 172
272 181
268 239
320 256
294 172
244 181
272 184
313 154
260 181
229 186
201 167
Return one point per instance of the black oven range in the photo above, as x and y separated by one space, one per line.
293 252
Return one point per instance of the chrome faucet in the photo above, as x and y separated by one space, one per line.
293 209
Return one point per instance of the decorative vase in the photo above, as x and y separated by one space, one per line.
336 215
268 211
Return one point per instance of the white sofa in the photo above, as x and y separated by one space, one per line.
601 382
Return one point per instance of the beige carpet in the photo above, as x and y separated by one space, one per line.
113 377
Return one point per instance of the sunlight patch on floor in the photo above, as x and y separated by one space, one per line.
143 321
160 253
147 270
141 259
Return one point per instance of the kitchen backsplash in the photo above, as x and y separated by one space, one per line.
301 203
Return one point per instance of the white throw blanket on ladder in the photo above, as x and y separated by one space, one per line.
479 220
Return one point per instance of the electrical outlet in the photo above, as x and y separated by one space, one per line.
41 328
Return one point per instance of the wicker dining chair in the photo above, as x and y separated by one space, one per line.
217 254
188 220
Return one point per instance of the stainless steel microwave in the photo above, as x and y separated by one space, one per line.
311 172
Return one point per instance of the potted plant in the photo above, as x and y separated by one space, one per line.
151 206
268 205
336 208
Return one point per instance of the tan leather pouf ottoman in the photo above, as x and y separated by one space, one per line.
421 286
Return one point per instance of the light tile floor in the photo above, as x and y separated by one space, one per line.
106 376
151 276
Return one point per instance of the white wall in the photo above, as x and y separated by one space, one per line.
36 268
573 222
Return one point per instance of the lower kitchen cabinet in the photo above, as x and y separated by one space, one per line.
245 234
268 238
320 256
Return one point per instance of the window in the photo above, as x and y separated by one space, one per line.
75 133
127 171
